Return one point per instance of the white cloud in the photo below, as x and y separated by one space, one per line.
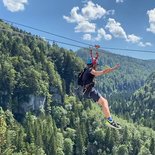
93 11
83 17
102 34
115 29
89 12
87 37
119 1
15 5
148 44
85 26
151 14
137 40
110 12
133 38
75 17
144 44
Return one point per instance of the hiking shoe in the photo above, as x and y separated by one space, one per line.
113 124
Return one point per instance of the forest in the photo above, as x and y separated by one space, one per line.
42 113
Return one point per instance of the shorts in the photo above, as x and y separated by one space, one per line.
93 94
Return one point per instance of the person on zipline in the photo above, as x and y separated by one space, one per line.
89 91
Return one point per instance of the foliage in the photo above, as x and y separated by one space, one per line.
31 66
140 107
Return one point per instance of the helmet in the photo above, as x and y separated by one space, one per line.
92 61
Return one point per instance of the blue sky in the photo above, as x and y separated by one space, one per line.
110 23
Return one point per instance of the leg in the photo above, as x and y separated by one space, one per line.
105 108
96 96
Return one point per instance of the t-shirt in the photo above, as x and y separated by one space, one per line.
88 77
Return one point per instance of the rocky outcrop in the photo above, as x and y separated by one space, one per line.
34 103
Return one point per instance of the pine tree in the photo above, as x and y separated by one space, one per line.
3 129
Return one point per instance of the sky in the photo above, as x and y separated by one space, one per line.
122 24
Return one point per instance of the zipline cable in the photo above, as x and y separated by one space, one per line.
60 36
101 48
36 36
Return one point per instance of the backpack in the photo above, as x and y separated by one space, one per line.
80 75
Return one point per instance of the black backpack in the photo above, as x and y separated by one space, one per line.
80 75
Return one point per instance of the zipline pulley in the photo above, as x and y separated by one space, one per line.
94 59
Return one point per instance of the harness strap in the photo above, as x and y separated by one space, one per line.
88 87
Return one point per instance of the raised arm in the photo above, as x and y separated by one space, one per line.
105 71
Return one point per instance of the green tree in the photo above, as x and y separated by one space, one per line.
122 150
7 84
152 146
144 151
3 129
68 146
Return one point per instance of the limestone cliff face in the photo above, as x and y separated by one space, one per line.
34 103
38 102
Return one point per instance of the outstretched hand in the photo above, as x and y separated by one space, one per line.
108 70
116 67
